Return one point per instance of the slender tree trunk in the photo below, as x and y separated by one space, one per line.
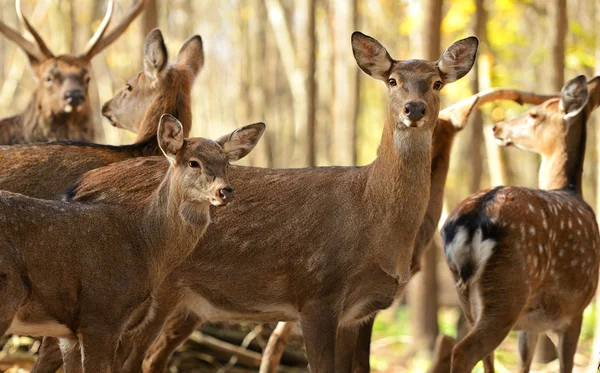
308 60
344 84
149 18
595 363
423 293
557 11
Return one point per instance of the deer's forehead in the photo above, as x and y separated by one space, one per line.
415 70
65 65
206 150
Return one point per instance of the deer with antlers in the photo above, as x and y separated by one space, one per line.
337 259
356 347
60 107
527 259
85 273
159 88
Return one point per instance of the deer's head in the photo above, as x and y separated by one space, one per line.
63 81
157 84
199 166
545 126
413 85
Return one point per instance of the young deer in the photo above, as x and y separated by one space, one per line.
450 121
340 257
90 271
527 259
46 170
60 108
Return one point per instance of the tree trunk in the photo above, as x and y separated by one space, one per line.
423 294
149 18
557 11
308 62
594 364
345 105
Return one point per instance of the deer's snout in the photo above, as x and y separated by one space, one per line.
107 113
415 110
225 195
74 97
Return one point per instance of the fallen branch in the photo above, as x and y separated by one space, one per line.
275 347
245 357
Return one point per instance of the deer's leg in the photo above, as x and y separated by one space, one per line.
362 351
567 344
319 327
488 363
50 358
344 348
98 348
141 340
175 332
71 355
527 344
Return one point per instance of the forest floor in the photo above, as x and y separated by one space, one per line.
391 348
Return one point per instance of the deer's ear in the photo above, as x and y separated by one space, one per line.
155 56
241 141
371 56
574 96
191 55
170 136
458 59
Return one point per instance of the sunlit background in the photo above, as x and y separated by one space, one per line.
258 67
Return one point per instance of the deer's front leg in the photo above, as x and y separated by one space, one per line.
319 325
50 358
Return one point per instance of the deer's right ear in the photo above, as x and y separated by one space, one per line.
191 54
240 142
155 56
371 56
574 96
458 59
170 136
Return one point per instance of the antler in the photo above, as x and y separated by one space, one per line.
458 113
98 42
36 53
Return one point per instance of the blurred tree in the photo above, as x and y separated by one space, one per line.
149 18
595 364
423 294
345 84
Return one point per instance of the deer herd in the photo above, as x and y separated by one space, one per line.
114 255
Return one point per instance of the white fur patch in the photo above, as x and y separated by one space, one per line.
479 251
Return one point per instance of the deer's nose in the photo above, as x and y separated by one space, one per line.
74 97
227 194
415 110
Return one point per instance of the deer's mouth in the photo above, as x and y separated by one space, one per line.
410 123
503 141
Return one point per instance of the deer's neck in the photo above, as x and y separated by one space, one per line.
563 168
397 188
41 124
173 227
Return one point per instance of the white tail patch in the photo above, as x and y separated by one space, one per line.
460 252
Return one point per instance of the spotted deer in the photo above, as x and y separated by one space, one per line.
85 273
60 107
450 122
46 170
340 257
527 259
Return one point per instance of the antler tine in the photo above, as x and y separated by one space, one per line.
90 48
98 42
40 42
459 112
31 49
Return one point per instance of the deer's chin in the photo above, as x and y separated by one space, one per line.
503 142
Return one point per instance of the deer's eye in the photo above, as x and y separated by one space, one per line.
438 85
194 164
392 82
48 79
128 87
533 115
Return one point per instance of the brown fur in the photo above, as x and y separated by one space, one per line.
60 107
543 245
302 250
60 260
46 170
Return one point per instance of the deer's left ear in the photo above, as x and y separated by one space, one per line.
458 59
574 96
240 142
170 136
